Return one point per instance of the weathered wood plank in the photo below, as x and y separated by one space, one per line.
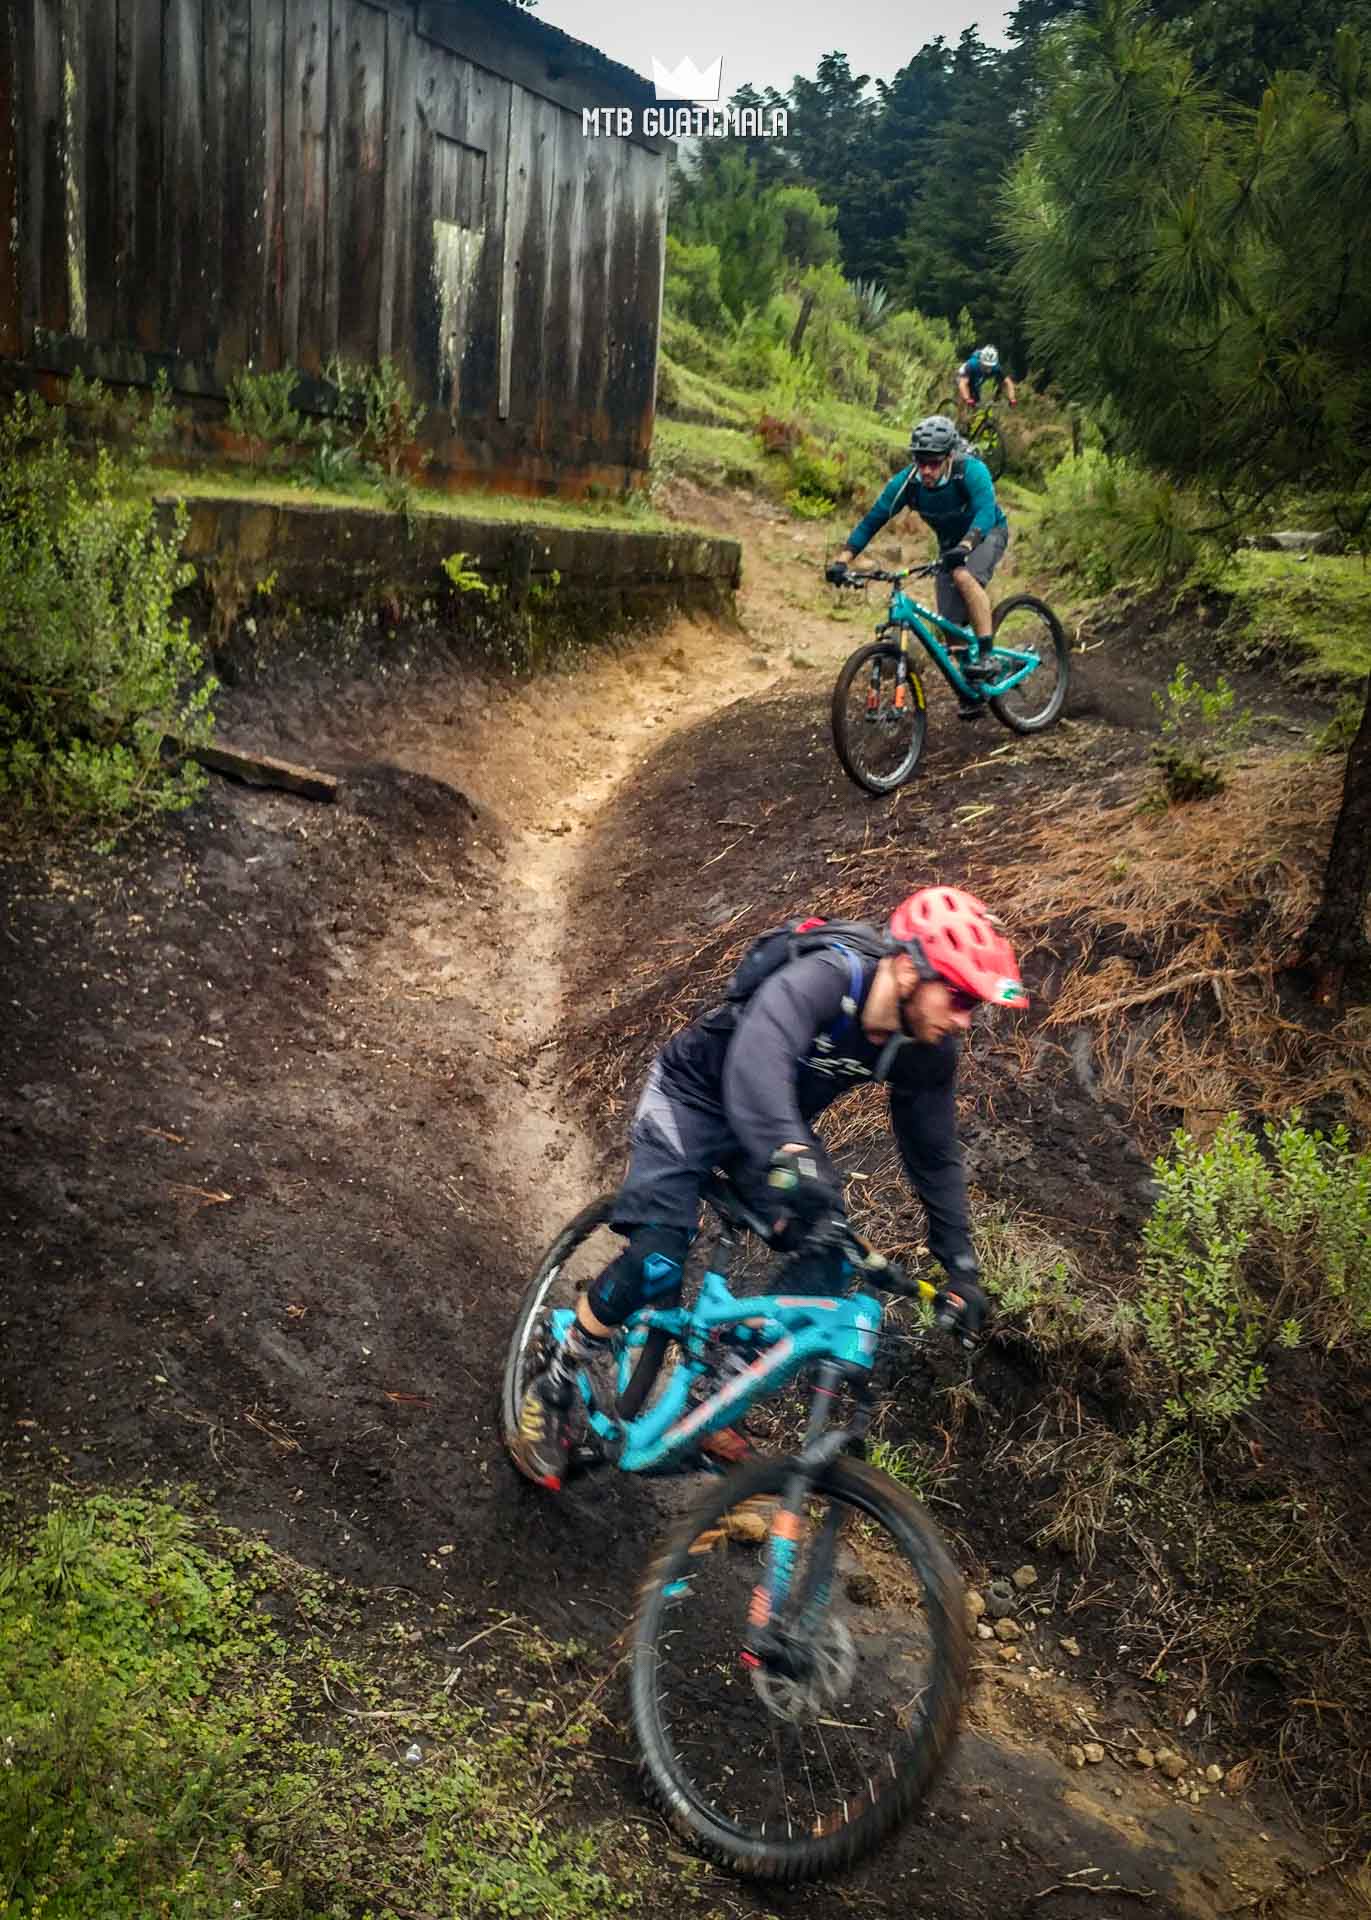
124 163
305 176
562 288
73 160
97 81
212 38
45 281
11 256
147 266
264 770
518 168
239 249
268 38
430 71
483 124
597 227
184 315
358 114
396 318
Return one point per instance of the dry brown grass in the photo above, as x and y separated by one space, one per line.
1166 934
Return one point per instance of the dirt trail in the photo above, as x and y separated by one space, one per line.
283 1150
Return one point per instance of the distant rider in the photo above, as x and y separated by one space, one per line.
976 369
741 1087
952 492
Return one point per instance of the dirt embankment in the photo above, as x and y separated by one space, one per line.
289 1105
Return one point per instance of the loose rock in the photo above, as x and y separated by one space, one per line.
1145 1758
1009 1653
1170 1762
1213 1775
1094 1752
1070 1645
1025 1577
983 1632
1008 1630
1075 1756
975 1603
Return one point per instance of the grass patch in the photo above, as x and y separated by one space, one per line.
191 1725
1316 607
239 484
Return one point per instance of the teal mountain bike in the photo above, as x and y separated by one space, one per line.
799 1649
879 712
981 430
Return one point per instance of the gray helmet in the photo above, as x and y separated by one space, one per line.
935 436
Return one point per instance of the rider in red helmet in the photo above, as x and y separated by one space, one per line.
830 1005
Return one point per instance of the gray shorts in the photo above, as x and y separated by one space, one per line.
981 564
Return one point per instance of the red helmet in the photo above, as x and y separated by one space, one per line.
956 937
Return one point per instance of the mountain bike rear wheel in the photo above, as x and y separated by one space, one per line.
1028 625
877 740
580 1252
785 1776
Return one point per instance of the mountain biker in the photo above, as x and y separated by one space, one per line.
953 493
976 369
741 1086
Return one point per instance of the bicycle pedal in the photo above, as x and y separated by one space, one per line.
970 712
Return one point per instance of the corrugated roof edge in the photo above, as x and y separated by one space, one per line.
567 57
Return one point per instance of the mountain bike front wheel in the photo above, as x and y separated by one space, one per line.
581 1251
880 722
1028 625
988 444
783 1775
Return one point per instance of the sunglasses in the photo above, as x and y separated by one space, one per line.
962 1001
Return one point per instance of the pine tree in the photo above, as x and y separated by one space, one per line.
1203 270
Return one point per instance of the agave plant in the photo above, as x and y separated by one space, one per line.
873 303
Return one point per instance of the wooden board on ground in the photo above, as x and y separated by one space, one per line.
262 770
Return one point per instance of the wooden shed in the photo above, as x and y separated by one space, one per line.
205 185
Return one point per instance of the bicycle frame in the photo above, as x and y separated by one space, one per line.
910 616
795 1332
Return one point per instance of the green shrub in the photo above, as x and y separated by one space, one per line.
692 285
1113 523
1200 730
1248 1250
137 422
809 234
379 412
259 408
95 674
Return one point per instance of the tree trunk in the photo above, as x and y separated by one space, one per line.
1337 937
806 308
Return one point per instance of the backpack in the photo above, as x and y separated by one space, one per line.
854 940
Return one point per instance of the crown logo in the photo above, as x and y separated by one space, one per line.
687 81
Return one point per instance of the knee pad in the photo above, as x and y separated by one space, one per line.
648 1273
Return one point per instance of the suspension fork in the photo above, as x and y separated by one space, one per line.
761 1642
873 692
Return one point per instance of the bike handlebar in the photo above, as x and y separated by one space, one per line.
878 575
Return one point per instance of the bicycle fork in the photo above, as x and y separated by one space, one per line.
873 692
764 1644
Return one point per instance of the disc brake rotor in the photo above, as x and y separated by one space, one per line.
832 1657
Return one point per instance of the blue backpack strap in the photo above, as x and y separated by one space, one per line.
852 999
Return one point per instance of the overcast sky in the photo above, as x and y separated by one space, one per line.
767 42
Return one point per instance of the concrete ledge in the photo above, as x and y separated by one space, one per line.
329 557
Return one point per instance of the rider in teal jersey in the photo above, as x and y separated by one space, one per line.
953 493
976 369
